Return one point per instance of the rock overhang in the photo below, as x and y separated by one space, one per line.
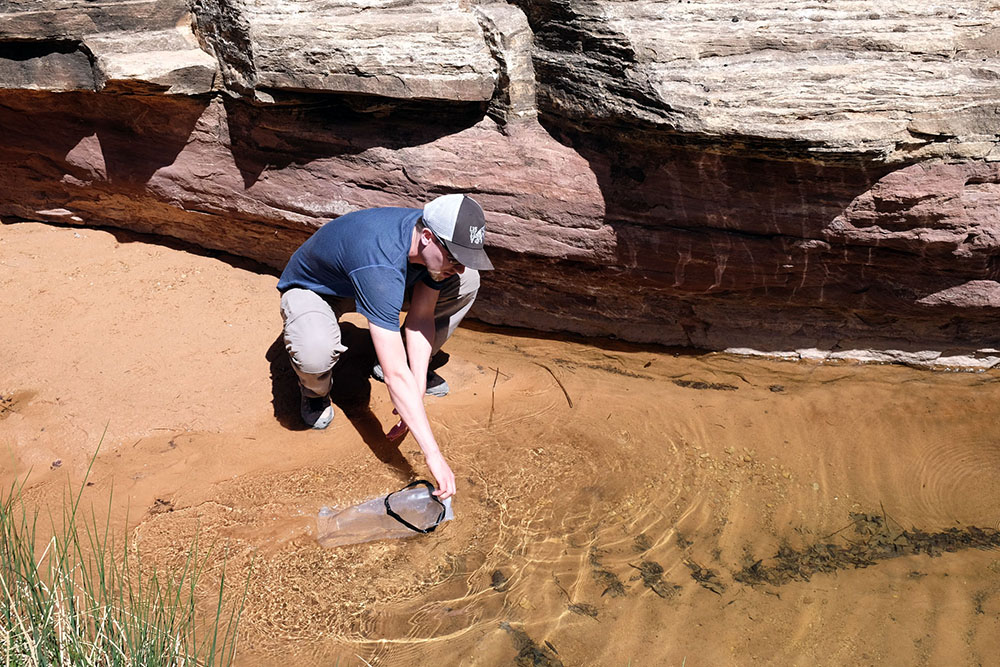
418 51
698 180
882 81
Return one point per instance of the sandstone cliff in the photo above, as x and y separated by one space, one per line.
808 177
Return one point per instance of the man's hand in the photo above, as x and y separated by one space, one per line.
443 475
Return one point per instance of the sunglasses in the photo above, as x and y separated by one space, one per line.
451 258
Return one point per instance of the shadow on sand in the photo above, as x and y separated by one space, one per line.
351 394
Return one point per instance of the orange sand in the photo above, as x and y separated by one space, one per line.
170 360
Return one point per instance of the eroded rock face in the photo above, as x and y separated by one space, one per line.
889 81
141 46
409 50
788 177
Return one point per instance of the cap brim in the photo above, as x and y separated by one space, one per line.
472 258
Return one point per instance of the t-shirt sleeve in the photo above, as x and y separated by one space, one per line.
379 295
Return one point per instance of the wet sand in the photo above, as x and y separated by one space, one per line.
609 496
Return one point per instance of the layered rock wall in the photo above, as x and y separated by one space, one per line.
792 178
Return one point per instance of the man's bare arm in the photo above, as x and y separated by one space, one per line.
408 399
419 328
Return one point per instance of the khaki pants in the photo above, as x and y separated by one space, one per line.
312 331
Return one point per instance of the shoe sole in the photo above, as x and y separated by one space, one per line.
438 393
319 425
322 421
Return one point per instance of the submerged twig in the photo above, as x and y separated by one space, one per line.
569 598
558 381
493 396
837 532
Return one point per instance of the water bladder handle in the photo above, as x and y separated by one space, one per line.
430 488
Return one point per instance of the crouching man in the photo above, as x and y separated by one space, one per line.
372 261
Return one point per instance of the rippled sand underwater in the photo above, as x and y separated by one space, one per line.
685 510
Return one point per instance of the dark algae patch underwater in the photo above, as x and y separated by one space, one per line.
873 540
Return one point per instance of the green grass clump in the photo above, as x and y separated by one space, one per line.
77 599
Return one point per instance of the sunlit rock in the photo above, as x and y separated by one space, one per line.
146 46
884 80
413 50
809 180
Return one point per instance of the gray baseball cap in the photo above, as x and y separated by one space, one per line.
458 221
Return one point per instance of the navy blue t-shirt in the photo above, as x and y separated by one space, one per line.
362 256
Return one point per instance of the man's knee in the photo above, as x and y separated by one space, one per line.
468 285
467 291
459 292
313 342
314 355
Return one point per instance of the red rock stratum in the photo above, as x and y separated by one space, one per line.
791 178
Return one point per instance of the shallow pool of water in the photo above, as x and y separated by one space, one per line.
635 507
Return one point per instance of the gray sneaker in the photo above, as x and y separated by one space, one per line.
436 385
316 412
